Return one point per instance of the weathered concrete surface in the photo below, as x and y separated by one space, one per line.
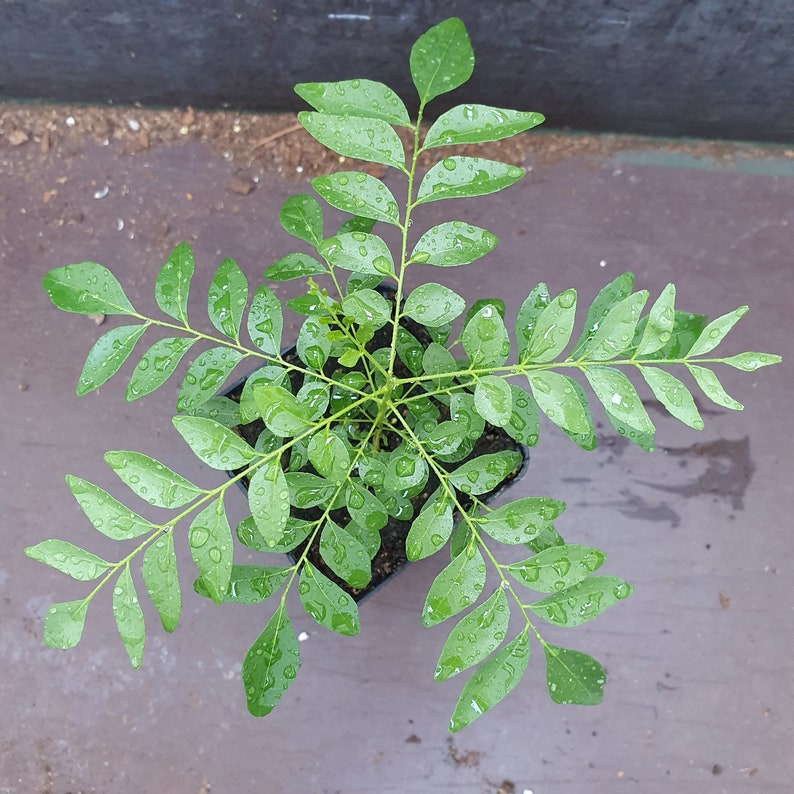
699 660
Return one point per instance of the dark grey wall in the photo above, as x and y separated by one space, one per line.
712 68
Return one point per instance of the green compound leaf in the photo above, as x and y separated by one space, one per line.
453 243
661 320
430 530
441 59
485 473
531 309
157 365
359 194
64 623
294 266
478 124
573 677
214 444
750 362
128 615
615 333
556 568
268 499
458 586
617 290
367 306
205 376
716 331
69 559
226 299
265 321
151 480
173 283
107 355
293 534
210 540
358 251
271 664
107 514
433 304
557 397
619 398
302 217
248 584
475 637
583 601
712 388
493 399
366 509
551 329
86 288
524 423
162 580
368 139
522 520
328 454
358 98
465 177
485 339
327 603
281 411
345 555
674 396
492 682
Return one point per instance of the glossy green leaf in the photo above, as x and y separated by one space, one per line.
463 413
271 664
445 438
365 508
573 677
686 329
475 637
268 499
557 398
557 567
315 395
157 365
586 440
465 177
308 490
69 559
750 362
151 480
358 98
162 580
552 329
521 520
210 540
222 410
128 615
281 411
619 398
524 422
453 243
359 194
716 331
547 538
107 355
430 530
485 339
492 682
409 350
302 217
659 327
493 400
265 321
437 360
86 288
478 124
365 139
64 623
248 584
405 470
458 586
531 309
674 396
644 441
617 290
441 59
367 306
359 251
214 444
583 601
615 333
294 533
107 514
173 283
327 603
206 375
345 555
292 266
329 455
710 386
226 299
356 224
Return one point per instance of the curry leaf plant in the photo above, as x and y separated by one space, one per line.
376 413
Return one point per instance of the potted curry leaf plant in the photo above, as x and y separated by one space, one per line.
395 407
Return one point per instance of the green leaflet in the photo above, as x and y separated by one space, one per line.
524 423
226 299
327 603
308 490
248 584
64 623
583 601
430 530
485 339
271 664
619 398
359 251
521 520
366 509
557 567
328 454
551 329
750 362
206 375
268 499
214 444
281 411
716 331
314 345
661 321
573 677
493 399
107 514
367 306
615 332
292 266
294 533
557 397
609 295
69 559
107 355
674 396
345 555
433 304
710 386
465 177
302 217
128 615
222 410
151 480
162 581
441 59
409 350
458 586
492 682
210 540
478 124
358 98
453 243
528 314
475 636
173 283
359 194
463 413
86 288
315 395
156 365
405 471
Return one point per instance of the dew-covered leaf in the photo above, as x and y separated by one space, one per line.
409 350
659 327
557 567
485 339
441 59
478 124
453 243
226 299
248 584
151 480
531 309
210 541
458 586
547 538
521 520
716 331
214 444
750 362
128 615
64 623
365 508
573 677
405 470
296 265
712 388
281 411
69 559
86 288
615 332
107 355
437 360
162 580
686 329
358 98
265 321
551 329
328 454
524 422
464 177
172 285
222 410
367 306
617 290
327 603
107 514
493 399
619 398
308 490
359 251
315 395
674 396
268 499
463 413
583 601
156 365
433 304
557 397
294 533
359 194
345 555
205 376
430 530
302 217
